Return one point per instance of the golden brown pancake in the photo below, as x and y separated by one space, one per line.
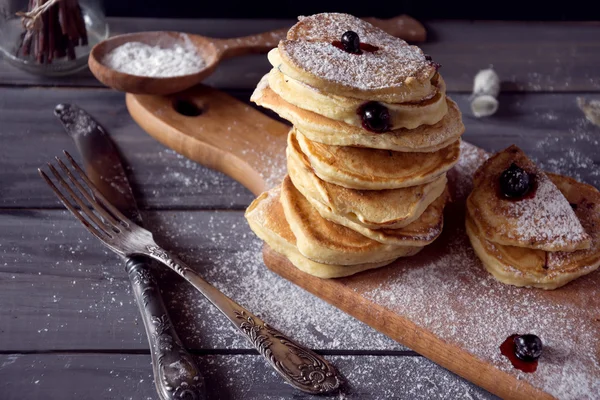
521 266
395 72
373 169
346 109
542 219
329 243
421 232
374 209
425 138
266 218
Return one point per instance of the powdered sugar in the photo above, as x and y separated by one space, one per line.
352 70
446 291
310 46
140 59
544 220
547 216
566 154
222 248
456 299
461 176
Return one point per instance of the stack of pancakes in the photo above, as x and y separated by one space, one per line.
544 239
359 194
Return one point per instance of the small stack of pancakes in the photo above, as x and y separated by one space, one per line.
544 239
373 137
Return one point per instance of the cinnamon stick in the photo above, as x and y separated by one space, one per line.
54 29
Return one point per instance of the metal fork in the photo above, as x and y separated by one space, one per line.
300 367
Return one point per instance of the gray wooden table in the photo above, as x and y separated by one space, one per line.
69 328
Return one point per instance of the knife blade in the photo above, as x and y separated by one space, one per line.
175 374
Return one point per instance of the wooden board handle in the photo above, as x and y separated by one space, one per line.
402 26
218 131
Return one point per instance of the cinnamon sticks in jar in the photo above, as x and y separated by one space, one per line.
53 28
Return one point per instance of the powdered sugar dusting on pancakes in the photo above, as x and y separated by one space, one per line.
544 220
546 216
310 46
448 292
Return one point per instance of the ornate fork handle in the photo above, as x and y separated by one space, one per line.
300 367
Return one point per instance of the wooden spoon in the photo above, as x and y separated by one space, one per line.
212 51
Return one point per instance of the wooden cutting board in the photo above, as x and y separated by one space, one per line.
441 302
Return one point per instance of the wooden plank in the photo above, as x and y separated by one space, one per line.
121 376
31 136
528 56
232 137
61 290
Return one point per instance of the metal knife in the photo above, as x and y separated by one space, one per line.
175 374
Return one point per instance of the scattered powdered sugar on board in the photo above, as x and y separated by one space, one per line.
461 179
221 246
446 291
176 59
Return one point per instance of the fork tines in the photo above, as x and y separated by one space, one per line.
96 213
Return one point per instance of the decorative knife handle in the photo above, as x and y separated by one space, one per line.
175 373
299 366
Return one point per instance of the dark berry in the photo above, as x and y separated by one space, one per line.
428 57
515 181
375 117
528 347
351 42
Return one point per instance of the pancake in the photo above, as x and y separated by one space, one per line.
329 243
346 109
521 266
421 232
373 169
266 218
395 72
374 209
542 219
425 138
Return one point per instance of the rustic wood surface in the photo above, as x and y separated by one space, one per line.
68 318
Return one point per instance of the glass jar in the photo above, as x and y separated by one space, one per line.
13 32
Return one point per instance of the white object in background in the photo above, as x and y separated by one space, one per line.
484 105
486 88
